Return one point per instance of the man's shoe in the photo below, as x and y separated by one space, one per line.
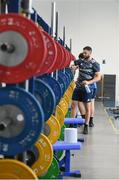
85 130
91 124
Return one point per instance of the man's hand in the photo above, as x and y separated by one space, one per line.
74 67
85 82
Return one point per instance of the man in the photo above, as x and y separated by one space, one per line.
89 74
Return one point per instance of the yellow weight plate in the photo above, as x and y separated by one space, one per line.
13 169
60 115
64 105
45 157
70 90
73 84
52 129
67 98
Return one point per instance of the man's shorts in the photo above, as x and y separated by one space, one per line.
94 91
82 96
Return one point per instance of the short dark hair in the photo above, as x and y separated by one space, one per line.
81 55
88 48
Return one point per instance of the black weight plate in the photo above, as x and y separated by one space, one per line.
45 95
23 118
54 85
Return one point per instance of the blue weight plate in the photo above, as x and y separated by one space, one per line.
21 120
62 85
64 77
45 95
68 77
68 70
54 85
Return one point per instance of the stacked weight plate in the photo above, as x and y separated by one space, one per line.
31 121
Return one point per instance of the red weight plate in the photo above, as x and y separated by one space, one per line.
28 48
59 59
63 64
68 59
51 54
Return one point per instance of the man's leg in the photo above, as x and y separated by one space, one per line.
87 117
91 123
74 102
73 109
82 110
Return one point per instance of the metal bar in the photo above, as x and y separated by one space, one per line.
64 35
70 45
57 25
53 18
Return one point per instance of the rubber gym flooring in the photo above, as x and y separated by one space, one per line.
99 157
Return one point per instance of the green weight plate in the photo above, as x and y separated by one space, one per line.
62 133
53 171
59 154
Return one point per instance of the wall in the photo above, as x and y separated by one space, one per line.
89 22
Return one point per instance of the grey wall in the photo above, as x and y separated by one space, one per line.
89 22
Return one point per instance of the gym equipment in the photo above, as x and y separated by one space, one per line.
53 171
62 85
59 154
51 54
59 58
60 115
74 121
22 48
46 156
68 70
67 98
64 78
40 156
45 95
13 169
21 120
64 105
52 129
65 162
54 85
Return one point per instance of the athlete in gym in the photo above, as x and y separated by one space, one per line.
84 92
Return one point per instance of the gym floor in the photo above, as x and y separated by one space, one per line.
99 157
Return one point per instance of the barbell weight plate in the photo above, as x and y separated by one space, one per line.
68 77
45 95
67 99
13 169
53 171
64 58
69 92
62 85
67 59
72 85
45 156
63 76
51 54
59 154
68 70
52 129
60 56
62 133
54 85
40 156
64 105
22 48
60 115
21 120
